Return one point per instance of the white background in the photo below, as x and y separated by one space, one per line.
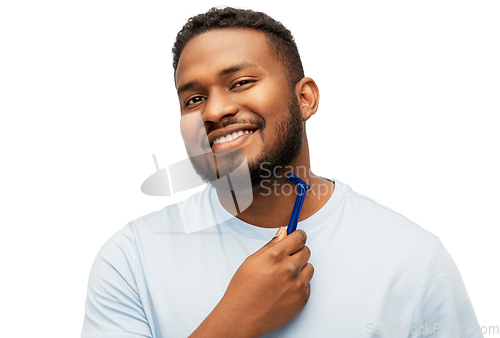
408 116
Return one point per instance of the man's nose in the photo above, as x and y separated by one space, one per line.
218 106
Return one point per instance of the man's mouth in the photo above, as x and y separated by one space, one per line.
230 137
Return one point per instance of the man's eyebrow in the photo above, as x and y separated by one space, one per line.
186 87
224 72
236 68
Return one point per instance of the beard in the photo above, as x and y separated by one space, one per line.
290 129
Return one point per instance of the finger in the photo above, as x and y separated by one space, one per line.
293 242
302 256
280 234
308 272
308 291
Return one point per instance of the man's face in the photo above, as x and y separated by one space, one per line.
235 84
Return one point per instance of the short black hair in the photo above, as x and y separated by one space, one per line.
278 36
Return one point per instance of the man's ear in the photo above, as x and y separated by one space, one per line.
308 95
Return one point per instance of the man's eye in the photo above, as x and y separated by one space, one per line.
242 83
194 100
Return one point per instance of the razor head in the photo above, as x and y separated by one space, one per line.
297 181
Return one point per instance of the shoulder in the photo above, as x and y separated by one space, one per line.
383 226
178 217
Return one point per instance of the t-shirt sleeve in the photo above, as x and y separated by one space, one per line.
444 308
113 307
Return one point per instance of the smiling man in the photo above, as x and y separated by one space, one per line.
238 81
365 270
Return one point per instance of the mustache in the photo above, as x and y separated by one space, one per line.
213 126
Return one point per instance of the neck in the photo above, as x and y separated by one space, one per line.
274 197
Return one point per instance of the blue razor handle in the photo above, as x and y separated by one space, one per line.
299 201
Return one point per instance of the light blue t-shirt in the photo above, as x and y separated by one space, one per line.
376 273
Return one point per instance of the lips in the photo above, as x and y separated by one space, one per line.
220 144
233 136
230 134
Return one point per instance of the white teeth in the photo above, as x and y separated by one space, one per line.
230 137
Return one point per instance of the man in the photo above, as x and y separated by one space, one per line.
366 270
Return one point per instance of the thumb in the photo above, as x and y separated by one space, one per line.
280 234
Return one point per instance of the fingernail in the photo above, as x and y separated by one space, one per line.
279 232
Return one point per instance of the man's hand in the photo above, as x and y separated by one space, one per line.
272 286
267 291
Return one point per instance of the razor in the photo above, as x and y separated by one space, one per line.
303 187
